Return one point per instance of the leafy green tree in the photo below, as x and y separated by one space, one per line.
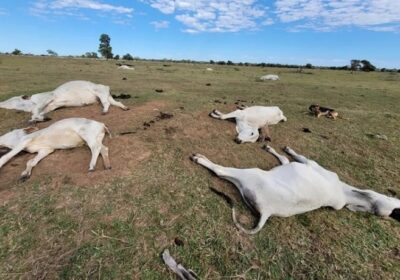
308 66
127 57
16 52
116 57
91 55
105 47
367 66
355 64
52 53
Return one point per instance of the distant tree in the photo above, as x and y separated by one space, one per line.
212 61
230 63
308 66
16 52
105 48
127 57
91 55
355 64
116 57
383 70
52 53
367 66
221 62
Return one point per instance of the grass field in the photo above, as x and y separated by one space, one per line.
65 223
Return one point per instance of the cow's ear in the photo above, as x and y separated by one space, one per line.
30 129
26 97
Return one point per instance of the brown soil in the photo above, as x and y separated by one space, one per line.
71 166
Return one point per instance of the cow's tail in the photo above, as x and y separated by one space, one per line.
108 131
229 200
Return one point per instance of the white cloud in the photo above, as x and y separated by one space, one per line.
327 15
3 12
160 24
75 7
89 4
213 15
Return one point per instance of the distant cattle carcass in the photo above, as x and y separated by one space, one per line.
126 67
269 77
64 134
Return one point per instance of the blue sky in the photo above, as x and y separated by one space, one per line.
321 32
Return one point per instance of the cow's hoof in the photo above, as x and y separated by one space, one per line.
267 148
196 157
104 113
268 139
286 149
126 109
193 158
108 167
24 178
46 119
91 170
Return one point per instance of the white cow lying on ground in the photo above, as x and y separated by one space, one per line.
126 67
64 134
70 94
252 119
298 187
269 77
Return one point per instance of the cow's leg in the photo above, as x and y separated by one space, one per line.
39 112
33 162
94 140
218 115
264 135
233 175
103 97
104 155
4 159
282 159
116 103
217 169
297 157
95 149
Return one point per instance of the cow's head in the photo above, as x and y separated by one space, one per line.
379 204
22 103
246 133
12 138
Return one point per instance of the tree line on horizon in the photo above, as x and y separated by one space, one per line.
105 51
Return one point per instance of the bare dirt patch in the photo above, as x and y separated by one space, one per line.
71 166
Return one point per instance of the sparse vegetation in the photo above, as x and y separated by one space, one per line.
16 52
91 55
52 53
105 46
127 57
56 226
